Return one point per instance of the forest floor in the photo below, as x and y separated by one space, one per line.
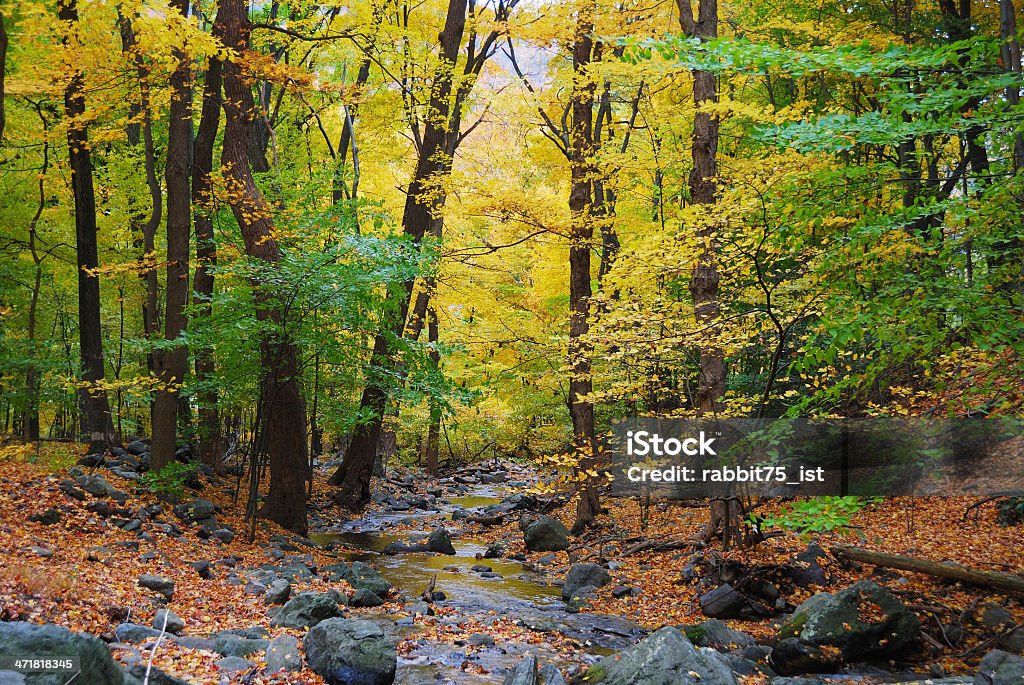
78 569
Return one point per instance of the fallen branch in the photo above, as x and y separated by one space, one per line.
948 570
487 520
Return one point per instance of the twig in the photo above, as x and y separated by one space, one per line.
152 652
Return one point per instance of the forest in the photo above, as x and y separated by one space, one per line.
321 324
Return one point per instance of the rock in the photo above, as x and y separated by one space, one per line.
994 616
225 535
283 655
723 602
164 586
744 667
524 673
137 672
495 550
278 592
481 640
306 610
622 591
347 652
1012 641
68 488
19 639
234 645
549 675
12 678
47 518
713 633
481 568
997 668
790 657
234 664
420 609
546 534
137 447
91 461
174 622
195 510
440 543
360 575
581 575
862 620
785 680
202 568
665 657
365 598
98 487
132 633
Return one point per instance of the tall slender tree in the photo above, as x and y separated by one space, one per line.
206 258
283 411
93 397
171 362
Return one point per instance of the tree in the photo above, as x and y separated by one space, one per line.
282 412
97 420
171 362
437 138
581 234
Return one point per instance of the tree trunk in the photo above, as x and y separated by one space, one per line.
285 415
171 363
424 201
1001 581
581 233
210 441
725 513
30 421
3 74
434 429
97 420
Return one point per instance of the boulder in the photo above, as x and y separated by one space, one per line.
365 598
546 534
195 510
524 673
997 668
131 633
665 657
19 639
235 645
283 655
723 602
234 664
351 652
581 575
164 586
306 610
440 542
359 575
864 620
174 624
137 676
278 592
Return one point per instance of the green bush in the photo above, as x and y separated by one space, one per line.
170 480
816 514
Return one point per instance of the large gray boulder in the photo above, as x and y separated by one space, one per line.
351 652
20 640
665 657
306 610
581 575
1000 668
546 534
526 672
359 575
864 620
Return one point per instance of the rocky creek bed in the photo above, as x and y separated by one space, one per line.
414 592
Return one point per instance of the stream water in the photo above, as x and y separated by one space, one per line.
525 596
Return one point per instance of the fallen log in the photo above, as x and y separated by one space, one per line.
949 570
487 520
